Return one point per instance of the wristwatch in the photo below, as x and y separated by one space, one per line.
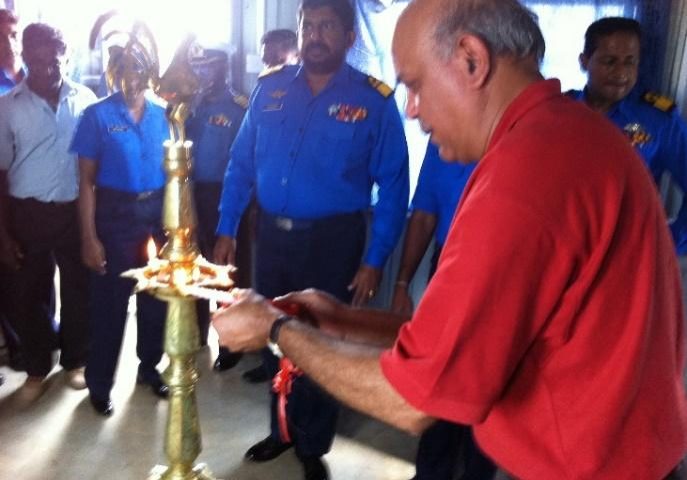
274 334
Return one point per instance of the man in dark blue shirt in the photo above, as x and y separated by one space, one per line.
314 141
212 128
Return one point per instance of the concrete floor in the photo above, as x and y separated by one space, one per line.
60 437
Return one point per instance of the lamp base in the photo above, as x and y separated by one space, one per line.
199 472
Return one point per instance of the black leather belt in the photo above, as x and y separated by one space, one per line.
119 195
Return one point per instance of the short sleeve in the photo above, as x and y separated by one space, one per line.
87 139
500 277
6 137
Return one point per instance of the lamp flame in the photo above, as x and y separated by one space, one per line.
151 249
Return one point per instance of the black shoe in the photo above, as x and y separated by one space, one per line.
256 375
226 360
157 386
314 468
102 406
266 450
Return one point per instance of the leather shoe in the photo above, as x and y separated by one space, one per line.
226 360
266 450
157 386
314 468
256 375
102 406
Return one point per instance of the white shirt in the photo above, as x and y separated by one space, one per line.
34 142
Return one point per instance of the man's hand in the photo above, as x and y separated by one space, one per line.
401 302
225 250
365 284
93 255
318 308
10 253
245 325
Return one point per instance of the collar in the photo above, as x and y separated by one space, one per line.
536 93
618 107
341 76
68 89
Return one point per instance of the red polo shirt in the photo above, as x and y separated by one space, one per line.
554 322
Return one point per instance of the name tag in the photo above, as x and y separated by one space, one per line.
117 128
273 107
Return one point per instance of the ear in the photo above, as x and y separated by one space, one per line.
584 61
473 59
350 38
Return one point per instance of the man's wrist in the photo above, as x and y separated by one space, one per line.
273 339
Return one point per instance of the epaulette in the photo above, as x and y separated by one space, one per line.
659 101
241 100
384 89
270 70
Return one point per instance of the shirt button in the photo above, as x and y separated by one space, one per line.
284 181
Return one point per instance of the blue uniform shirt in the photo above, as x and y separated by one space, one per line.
439 188
7 83
212 128
129 154
313 156
660 137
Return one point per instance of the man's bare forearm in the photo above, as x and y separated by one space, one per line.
351 373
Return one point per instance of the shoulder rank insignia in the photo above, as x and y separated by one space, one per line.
384 89
637 135
661 102
269 71
241 100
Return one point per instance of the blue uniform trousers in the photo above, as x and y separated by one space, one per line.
124 223
294 255
48 235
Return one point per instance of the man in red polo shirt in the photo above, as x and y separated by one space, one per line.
553 324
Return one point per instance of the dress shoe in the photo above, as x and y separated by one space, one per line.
102 406
76 379
226 360
32 390
157 386
266 450
256 375
314 468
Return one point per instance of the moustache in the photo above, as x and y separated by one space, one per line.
314 46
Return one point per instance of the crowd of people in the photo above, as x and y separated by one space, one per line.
549 342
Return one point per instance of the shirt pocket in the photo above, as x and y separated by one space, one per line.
269 139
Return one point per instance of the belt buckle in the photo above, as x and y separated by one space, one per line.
144 195
284 223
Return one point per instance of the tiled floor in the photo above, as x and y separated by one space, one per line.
61 438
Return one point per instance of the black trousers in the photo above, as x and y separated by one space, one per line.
323 254
48 235
124 224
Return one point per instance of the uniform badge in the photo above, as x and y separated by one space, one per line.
272 107
637 135
347 113
278 94
117 128
220 120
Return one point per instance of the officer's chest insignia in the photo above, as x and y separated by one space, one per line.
272 107
278 94
637 135
347 113
117 128
220 120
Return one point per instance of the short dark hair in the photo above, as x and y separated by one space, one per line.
8 16
40 35
287 39
342 8
608 26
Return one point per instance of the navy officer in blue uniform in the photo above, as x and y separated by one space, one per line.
212 128
651 122
119 144
315 139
